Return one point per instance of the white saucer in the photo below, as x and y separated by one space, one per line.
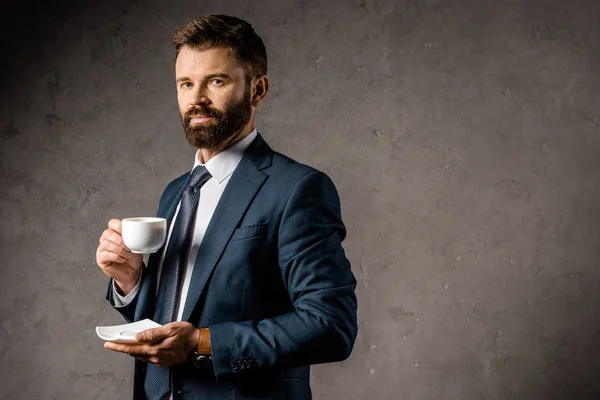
125 333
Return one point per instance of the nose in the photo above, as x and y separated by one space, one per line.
198 96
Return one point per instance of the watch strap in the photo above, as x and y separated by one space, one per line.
203 347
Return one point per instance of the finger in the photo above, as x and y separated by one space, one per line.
152 335
143 353
154 360
134 350
115 225
114 237
102 236
114 248
105 258
114 347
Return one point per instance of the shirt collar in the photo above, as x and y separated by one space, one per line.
223 164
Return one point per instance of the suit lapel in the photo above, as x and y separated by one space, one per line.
245 182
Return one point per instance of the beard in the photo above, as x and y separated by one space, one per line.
223 125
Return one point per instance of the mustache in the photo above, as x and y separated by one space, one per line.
201 112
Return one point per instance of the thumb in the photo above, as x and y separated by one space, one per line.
151 335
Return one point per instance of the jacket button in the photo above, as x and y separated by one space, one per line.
233 365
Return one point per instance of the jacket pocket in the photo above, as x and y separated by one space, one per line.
249 232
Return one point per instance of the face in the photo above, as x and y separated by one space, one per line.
214 98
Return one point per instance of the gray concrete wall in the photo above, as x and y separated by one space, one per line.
463 137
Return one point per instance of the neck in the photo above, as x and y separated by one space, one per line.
207 154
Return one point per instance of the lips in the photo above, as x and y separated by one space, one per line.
199 118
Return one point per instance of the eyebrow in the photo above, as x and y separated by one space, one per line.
208 77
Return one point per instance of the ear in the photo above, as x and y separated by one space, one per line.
260 87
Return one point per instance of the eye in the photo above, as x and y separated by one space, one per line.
185 85
216 82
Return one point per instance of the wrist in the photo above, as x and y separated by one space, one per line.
126 287
122 288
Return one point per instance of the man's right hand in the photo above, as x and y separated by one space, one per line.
116 260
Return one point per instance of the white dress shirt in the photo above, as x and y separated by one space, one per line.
221 168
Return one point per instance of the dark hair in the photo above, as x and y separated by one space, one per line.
212 31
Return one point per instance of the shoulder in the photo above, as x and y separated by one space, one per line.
295 177
307 196
290 169
282 170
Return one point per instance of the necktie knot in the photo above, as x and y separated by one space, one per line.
199 176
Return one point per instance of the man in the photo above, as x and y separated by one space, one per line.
253 273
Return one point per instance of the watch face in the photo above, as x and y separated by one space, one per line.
201 361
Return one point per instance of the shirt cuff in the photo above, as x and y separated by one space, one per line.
122 301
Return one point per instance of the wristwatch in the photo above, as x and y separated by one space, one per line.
202 355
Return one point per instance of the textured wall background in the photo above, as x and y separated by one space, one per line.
463 136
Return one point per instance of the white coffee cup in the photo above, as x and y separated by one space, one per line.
144 235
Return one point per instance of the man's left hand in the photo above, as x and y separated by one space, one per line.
169 345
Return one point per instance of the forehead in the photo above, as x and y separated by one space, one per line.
204 62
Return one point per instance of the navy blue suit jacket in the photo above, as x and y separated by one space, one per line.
271 281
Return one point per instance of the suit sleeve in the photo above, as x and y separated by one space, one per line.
126 310
320 284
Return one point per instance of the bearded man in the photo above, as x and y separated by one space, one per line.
252 285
